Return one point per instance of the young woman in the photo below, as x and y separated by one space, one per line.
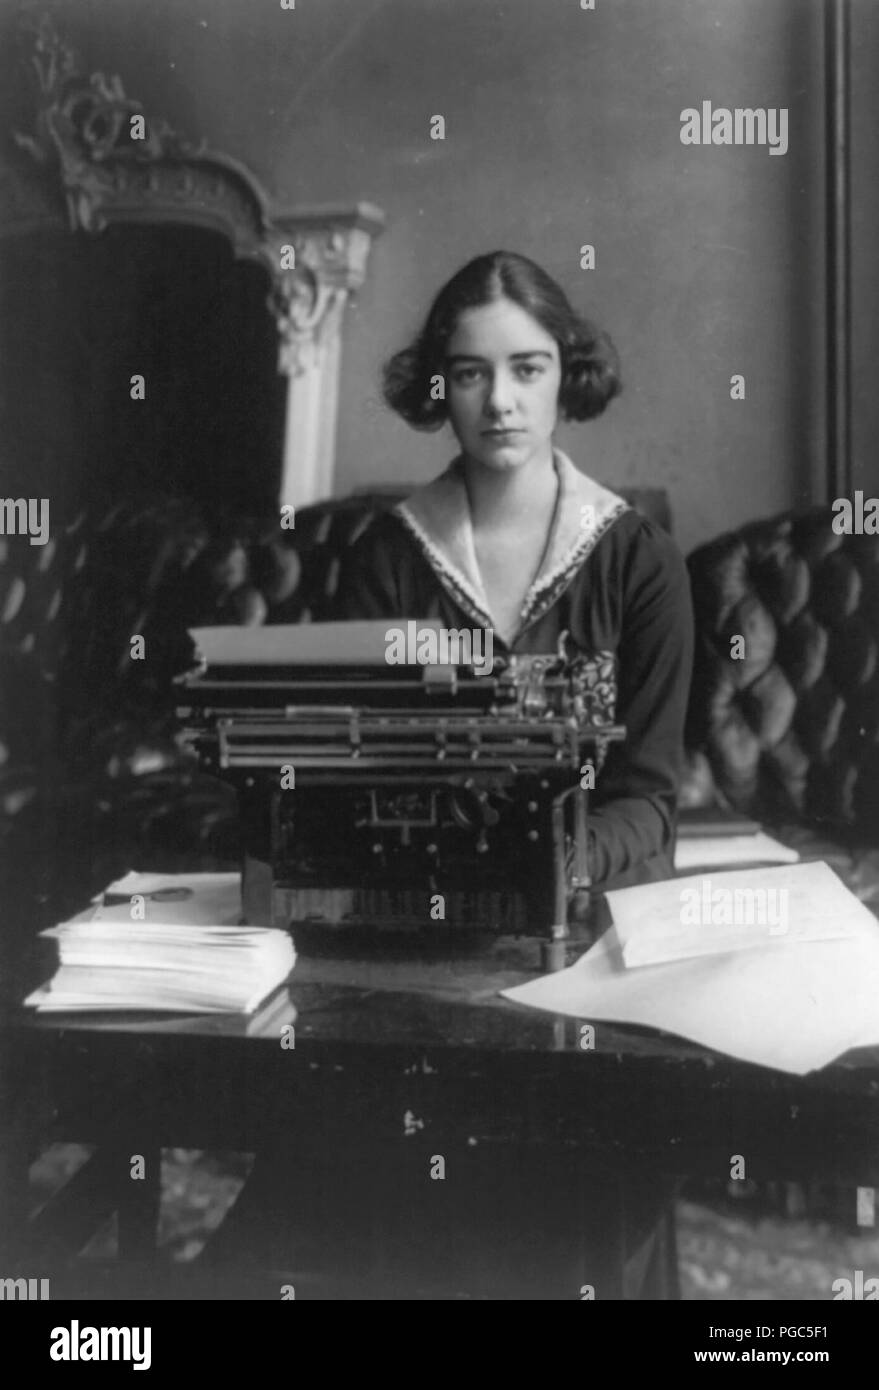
514 537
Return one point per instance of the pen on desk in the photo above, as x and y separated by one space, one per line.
158 895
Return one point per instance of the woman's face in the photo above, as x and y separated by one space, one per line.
503 374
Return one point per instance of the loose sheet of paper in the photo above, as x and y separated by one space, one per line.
795 1009
711 851
740 909
208 899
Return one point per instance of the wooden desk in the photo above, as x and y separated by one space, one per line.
422 1055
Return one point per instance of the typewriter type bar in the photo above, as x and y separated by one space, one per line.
365 742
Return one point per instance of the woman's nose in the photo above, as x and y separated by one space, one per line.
500 394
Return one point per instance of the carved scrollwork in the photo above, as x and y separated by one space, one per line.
117 164
120 165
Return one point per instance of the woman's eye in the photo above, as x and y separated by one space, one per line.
529 370
465 376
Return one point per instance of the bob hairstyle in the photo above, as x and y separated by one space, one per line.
589 363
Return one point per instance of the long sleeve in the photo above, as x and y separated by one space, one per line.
369 579
633 820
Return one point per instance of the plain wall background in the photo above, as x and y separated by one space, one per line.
562 128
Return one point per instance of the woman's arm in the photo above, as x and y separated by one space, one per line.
369 584
636 792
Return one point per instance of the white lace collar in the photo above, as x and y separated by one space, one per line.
438 516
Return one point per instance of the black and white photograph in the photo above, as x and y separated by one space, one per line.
439 653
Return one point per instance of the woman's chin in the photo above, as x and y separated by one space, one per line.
504 460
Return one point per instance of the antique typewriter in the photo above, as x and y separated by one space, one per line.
421 798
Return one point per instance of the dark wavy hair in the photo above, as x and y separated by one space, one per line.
589 362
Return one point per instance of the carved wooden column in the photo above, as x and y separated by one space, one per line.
330 247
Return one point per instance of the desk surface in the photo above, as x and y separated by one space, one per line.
379 1037
389 999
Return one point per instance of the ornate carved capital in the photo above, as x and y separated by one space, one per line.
329 248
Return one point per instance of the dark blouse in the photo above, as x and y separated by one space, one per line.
630 595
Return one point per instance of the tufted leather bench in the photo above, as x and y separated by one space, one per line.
91 780
784 725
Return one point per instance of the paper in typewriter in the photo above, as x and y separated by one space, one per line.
360 643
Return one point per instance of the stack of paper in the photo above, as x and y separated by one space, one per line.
794 1001
169 943
717 851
